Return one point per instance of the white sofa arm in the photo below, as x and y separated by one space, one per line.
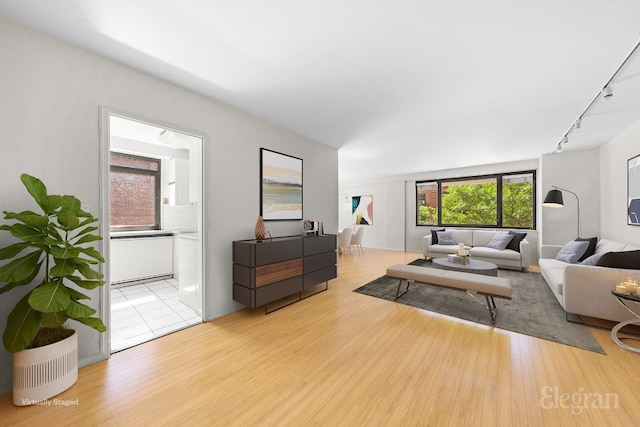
525 254
549 251
426 242
587 291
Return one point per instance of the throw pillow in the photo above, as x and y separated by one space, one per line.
591 249
445 238
592 260
626 259
572 251
500 241
434 236
514 244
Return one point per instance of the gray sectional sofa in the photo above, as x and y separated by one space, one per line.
586 289
477 240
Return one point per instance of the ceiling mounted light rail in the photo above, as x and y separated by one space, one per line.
606 93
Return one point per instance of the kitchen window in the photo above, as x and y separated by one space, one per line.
134 192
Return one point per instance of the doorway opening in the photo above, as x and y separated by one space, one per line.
153 196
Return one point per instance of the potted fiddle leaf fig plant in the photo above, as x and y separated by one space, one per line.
54 258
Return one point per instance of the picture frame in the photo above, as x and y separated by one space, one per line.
633 190
362 209
281 186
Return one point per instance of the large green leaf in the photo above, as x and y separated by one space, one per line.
31 219
50 297
88 272
88 238
53 320
12 250
92 253
68 220
21 268
27 234
86 284
78 310
75 295
37 189
93 322
63 267
66 252
22 326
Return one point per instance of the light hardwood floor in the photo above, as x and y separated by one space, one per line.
342 358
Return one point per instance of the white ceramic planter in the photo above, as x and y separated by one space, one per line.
43 372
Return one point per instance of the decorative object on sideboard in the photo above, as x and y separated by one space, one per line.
554 200
311 228
261 230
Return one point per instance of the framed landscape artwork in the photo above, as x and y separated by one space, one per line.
362 210
633 191
280 186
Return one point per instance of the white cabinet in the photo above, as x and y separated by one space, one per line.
190 290
140 258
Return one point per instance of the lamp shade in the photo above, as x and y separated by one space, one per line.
553 199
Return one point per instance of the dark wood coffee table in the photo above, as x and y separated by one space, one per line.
472 266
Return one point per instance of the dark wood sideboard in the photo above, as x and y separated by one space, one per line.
268 270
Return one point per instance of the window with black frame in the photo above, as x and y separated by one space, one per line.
134 192
497 201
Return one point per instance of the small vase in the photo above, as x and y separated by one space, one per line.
261 231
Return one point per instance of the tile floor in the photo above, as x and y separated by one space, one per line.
146 311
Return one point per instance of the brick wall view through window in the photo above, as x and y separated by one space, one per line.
134 192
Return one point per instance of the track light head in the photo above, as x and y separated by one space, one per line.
564 139
577 125
607 92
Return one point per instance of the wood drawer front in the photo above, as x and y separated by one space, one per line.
324 275
266 294
272 273
320 261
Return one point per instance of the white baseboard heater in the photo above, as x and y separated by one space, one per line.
140 258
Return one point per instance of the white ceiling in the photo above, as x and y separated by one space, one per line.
398 86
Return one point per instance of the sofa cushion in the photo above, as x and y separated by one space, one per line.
572 251
482 237
462 236
592 260
605 246
434 236
591 249
514 244
626 259
551 263
484 252
500 241
443 249
445 238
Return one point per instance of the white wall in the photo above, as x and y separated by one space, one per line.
613 186
387 230
577 171
49 121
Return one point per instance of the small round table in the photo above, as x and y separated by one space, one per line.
472 266
614 332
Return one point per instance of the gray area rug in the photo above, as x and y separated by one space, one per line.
533 309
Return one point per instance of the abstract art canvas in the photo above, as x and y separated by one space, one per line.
280 186
633 191
362 210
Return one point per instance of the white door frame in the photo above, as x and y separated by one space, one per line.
105 113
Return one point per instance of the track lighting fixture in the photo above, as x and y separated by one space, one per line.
606 92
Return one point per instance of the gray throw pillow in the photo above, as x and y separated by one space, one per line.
445 238
592 260
572 251
500 241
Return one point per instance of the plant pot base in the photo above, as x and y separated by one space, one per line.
43 372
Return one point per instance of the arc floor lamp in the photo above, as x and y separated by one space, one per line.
554 200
